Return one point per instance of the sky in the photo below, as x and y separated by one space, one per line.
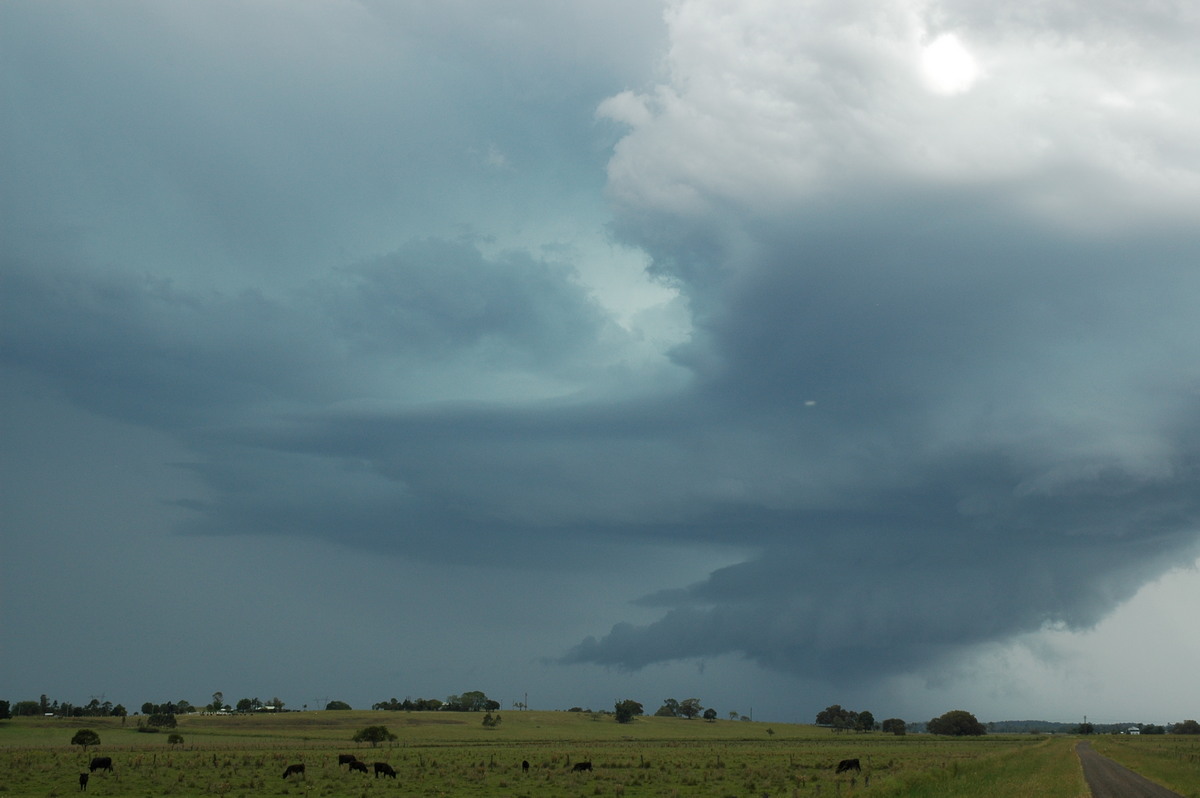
777 354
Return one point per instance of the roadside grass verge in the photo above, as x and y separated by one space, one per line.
1172 760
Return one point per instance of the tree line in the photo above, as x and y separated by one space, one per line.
472 701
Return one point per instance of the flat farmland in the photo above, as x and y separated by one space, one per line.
451 754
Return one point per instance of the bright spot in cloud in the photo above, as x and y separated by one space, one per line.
947 66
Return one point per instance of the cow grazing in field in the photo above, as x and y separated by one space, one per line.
294 770
525 765
100 763
346 759
384 769
83 777
848 764
581 766
361 767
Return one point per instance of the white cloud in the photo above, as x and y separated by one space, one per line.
773 104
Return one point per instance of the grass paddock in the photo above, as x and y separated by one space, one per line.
451 754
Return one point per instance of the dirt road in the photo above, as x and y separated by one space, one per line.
1106 779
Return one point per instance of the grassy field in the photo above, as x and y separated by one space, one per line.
452 754
1172 760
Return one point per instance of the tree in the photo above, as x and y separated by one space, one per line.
5 710
710 714
627 710
956 723
690 708
865 721
830 715
85 737
24 708
669 709
337 705
895 726
1187 727
161 720
374 735
218 702
1085 728
175 739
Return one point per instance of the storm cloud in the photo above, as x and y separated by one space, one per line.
913 343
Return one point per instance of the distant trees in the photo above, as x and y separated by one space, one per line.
1085 728
218 702
5 710
956 723
895 726
410 705
710 714
474 701
627 710
687 708
337 705
180 707
373 735
85 737
26 708
1186 727
175 739
841 719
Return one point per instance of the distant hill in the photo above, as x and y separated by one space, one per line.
1038 727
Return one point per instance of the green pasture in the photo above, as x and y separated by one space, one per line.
1172 760
452 754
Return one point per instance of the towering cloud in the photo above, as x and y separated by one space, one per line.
940 262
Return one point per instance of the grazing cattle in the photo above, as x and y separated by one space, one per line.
581 766
100 763
294 770
384 769
83 777
848 764
361 767
525 765
346 759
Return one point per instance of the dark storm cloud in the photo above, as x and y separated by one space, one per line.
939 386
965 412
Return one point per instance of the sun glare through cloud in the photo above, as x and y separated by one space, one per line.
947 66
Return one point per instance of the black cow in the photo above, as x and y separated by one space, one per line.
384 769
294 770
581 766
361 767
83 777
525 765
346 759
100 763
848 764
